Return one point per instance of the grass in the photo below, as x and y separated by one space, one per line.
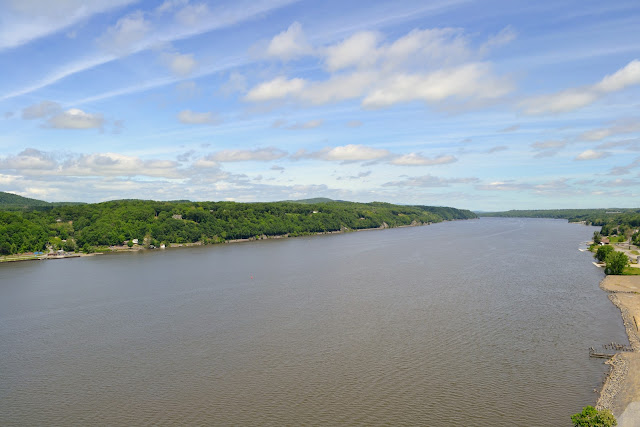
631 271
9 258
635 252
617 239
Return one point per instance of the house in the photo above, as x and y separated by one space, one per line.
604 241
135 241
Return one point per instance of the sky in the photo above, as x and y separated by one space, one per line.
483 105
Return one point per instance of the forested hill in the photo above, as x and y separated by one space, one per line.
14 202
9 201
89 226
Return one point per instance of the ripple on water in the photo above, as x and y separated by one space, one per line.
453 324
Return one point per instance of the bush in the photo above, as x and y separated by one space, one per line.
603 251
616 262
591 417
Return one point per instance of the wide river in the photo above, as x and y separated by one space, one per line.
471 323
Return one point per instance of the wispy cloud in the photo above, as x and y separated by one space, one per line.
180 29
575 98
417 159
25 21
345 153
75 118
592 155
429 181
193 118
258 154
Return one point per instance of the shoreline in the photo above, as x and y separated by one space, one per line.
124 249
621 390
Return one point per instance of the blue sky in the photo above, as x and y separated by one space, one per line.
487 105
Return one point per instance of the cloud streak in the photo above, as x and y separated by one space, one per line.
575 98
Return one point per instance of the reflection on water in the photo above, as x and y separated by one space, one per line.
485 322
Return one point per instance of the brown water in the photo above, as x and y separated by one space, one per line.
474 323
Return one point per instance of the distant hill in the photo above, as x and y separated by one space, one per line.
14 202
313 201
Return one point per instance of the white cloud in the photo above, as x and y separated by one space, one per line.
236 83
348 153
114 164
512 128
170 5
259 154
24 21
40 110
187 90
551 144
33 162
617 128
222 17
29 159
357 50
180 64
311 124
473 80
192 118
125 36
289 44
431 65
76 119
575 98
504 186
193 14
505 36
337 88
278 88
591 155
429 181
496 149
416 159
627 76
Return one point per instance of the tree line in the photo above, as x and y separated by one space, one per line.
85 227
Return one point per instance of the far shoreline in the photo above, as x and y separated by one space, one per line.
138 248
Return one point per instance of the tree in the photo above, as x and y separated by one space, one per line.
591 417
597 237
603 251
616 262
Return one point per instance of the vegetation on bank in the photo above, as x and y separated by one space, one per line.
74 227
591 417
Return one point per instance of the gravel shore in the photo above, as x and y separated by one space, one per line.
621 391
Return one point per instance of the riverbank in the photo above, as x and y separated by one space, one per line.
136 248
621 391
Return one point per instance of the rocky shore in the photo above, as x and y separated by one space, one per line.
621 391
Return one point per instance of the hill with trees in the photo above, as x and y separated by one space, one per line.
89 226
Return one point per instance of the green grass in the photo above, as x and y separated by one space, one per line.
631 271
617 239
9 258
635 252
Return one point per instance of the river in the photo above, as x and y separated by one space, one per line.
469 323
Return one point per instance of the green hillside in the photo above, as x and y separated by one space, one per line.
10 201
87 226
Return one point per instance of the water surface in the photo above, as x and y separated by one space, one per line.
483 322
